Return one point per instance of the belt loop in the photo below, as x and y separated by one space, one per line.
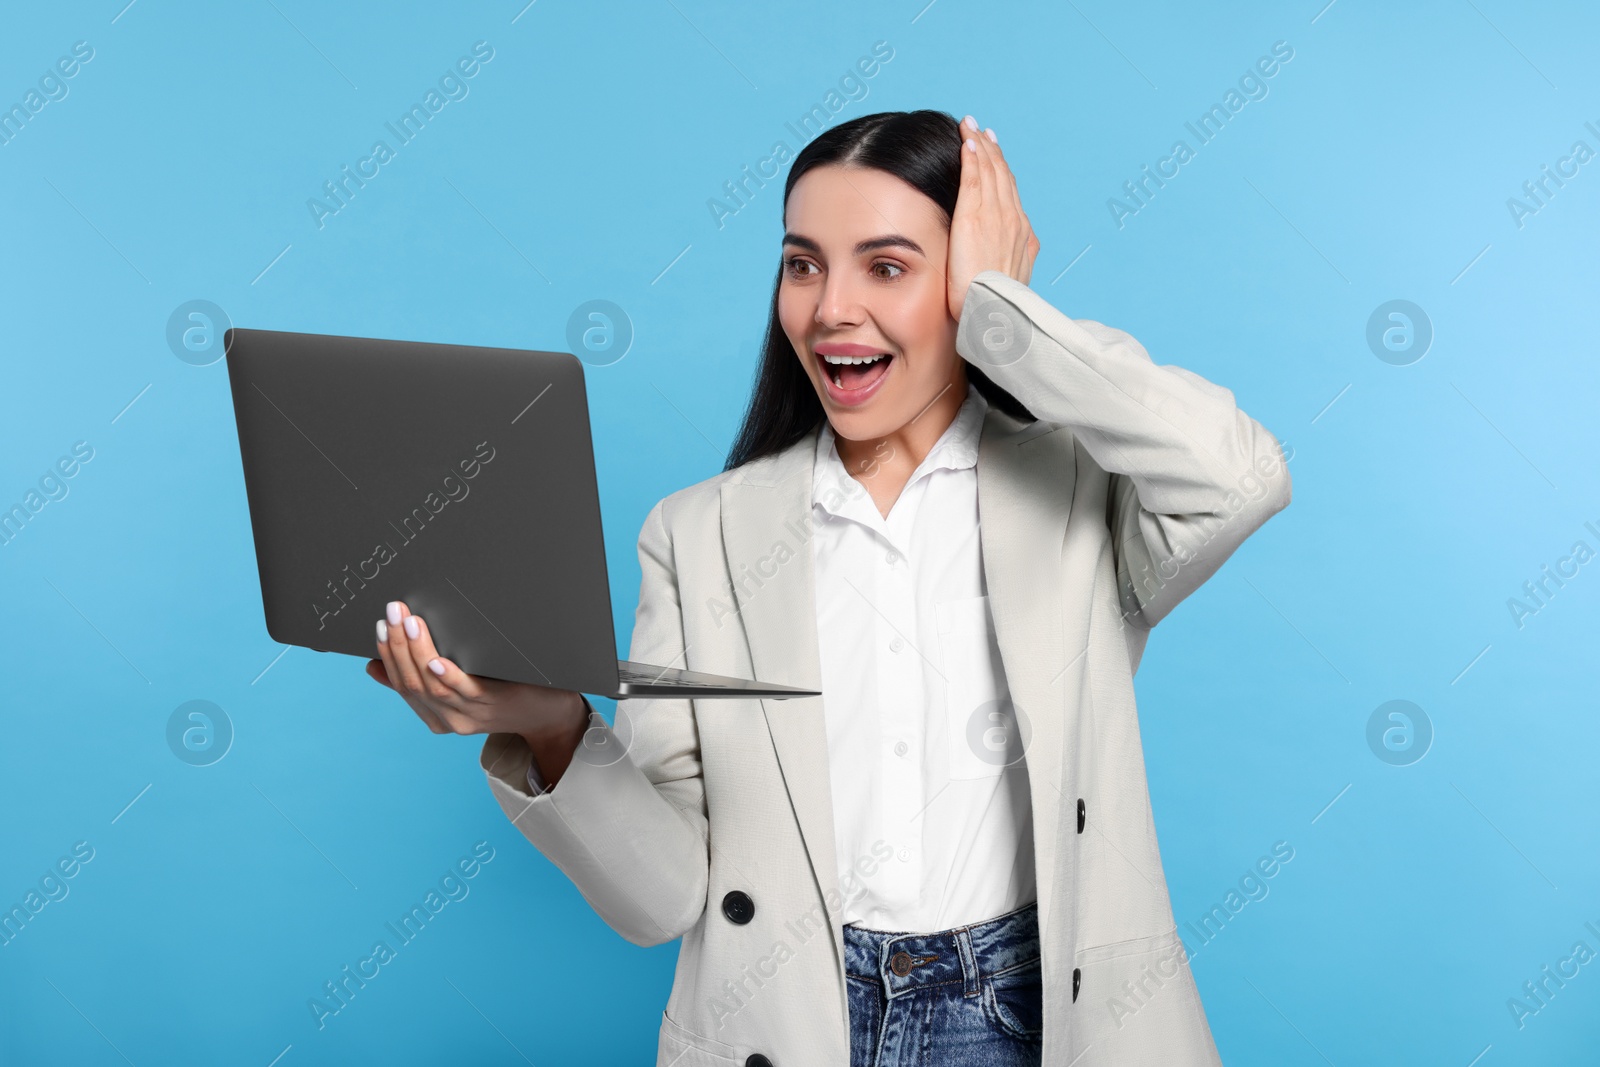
970 986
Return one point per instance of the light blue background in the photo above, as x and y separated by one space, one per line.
1378 167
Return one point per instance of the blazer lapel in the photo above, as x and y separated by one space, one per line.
1023 505
1024 500
766 527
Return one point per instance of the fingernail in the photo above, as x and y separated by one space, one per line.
437 667
394 612
972 145
412 630
383 632
992 137
970 121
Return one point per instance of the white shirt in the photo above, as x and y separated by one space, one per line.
933 824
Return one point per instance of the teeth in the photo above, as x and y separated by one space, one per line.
837 382
853 359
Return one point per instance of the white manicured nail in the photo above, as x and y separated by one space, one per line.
992 137
394 612
436 666
412 630
383 632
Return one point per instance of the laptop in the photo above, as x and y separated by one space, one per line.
458 479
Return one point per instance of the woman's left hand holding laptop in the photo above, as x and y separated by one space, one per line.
449 700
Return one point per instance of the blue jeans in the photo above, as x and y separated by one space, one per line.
971 996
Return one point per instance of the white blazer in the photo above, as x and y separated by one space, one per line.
1134 485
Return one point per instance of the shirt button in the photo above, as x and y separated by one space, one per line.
892 556
901 748
896 645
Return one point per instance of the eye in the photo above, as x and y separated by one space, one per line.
898 270
793 264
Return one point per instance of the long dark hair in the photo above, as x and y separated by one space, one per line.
922 149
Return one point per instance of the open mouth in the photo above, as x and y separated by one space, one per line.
851 379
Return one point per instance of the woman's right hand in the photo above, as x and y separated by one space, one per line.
449 700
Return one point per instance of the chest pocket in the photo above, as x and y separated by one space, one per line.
983 739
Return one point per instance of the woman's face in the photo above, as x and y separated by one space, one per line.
864 275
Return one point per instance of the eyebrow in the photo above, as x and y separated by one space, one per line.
888 240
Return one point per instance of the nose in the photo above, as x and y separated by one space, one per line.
839 304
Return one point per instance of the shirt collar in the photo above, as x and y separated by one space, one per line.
956 449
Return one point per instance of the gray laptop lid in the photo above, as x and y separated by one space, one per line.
397 470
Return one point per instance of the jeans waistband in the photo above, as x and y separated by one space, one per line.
964 954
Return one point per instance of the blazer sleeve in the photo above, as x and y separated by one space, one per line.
1191 475
627 821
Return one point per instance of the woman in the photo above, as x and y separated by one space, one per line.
949 857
